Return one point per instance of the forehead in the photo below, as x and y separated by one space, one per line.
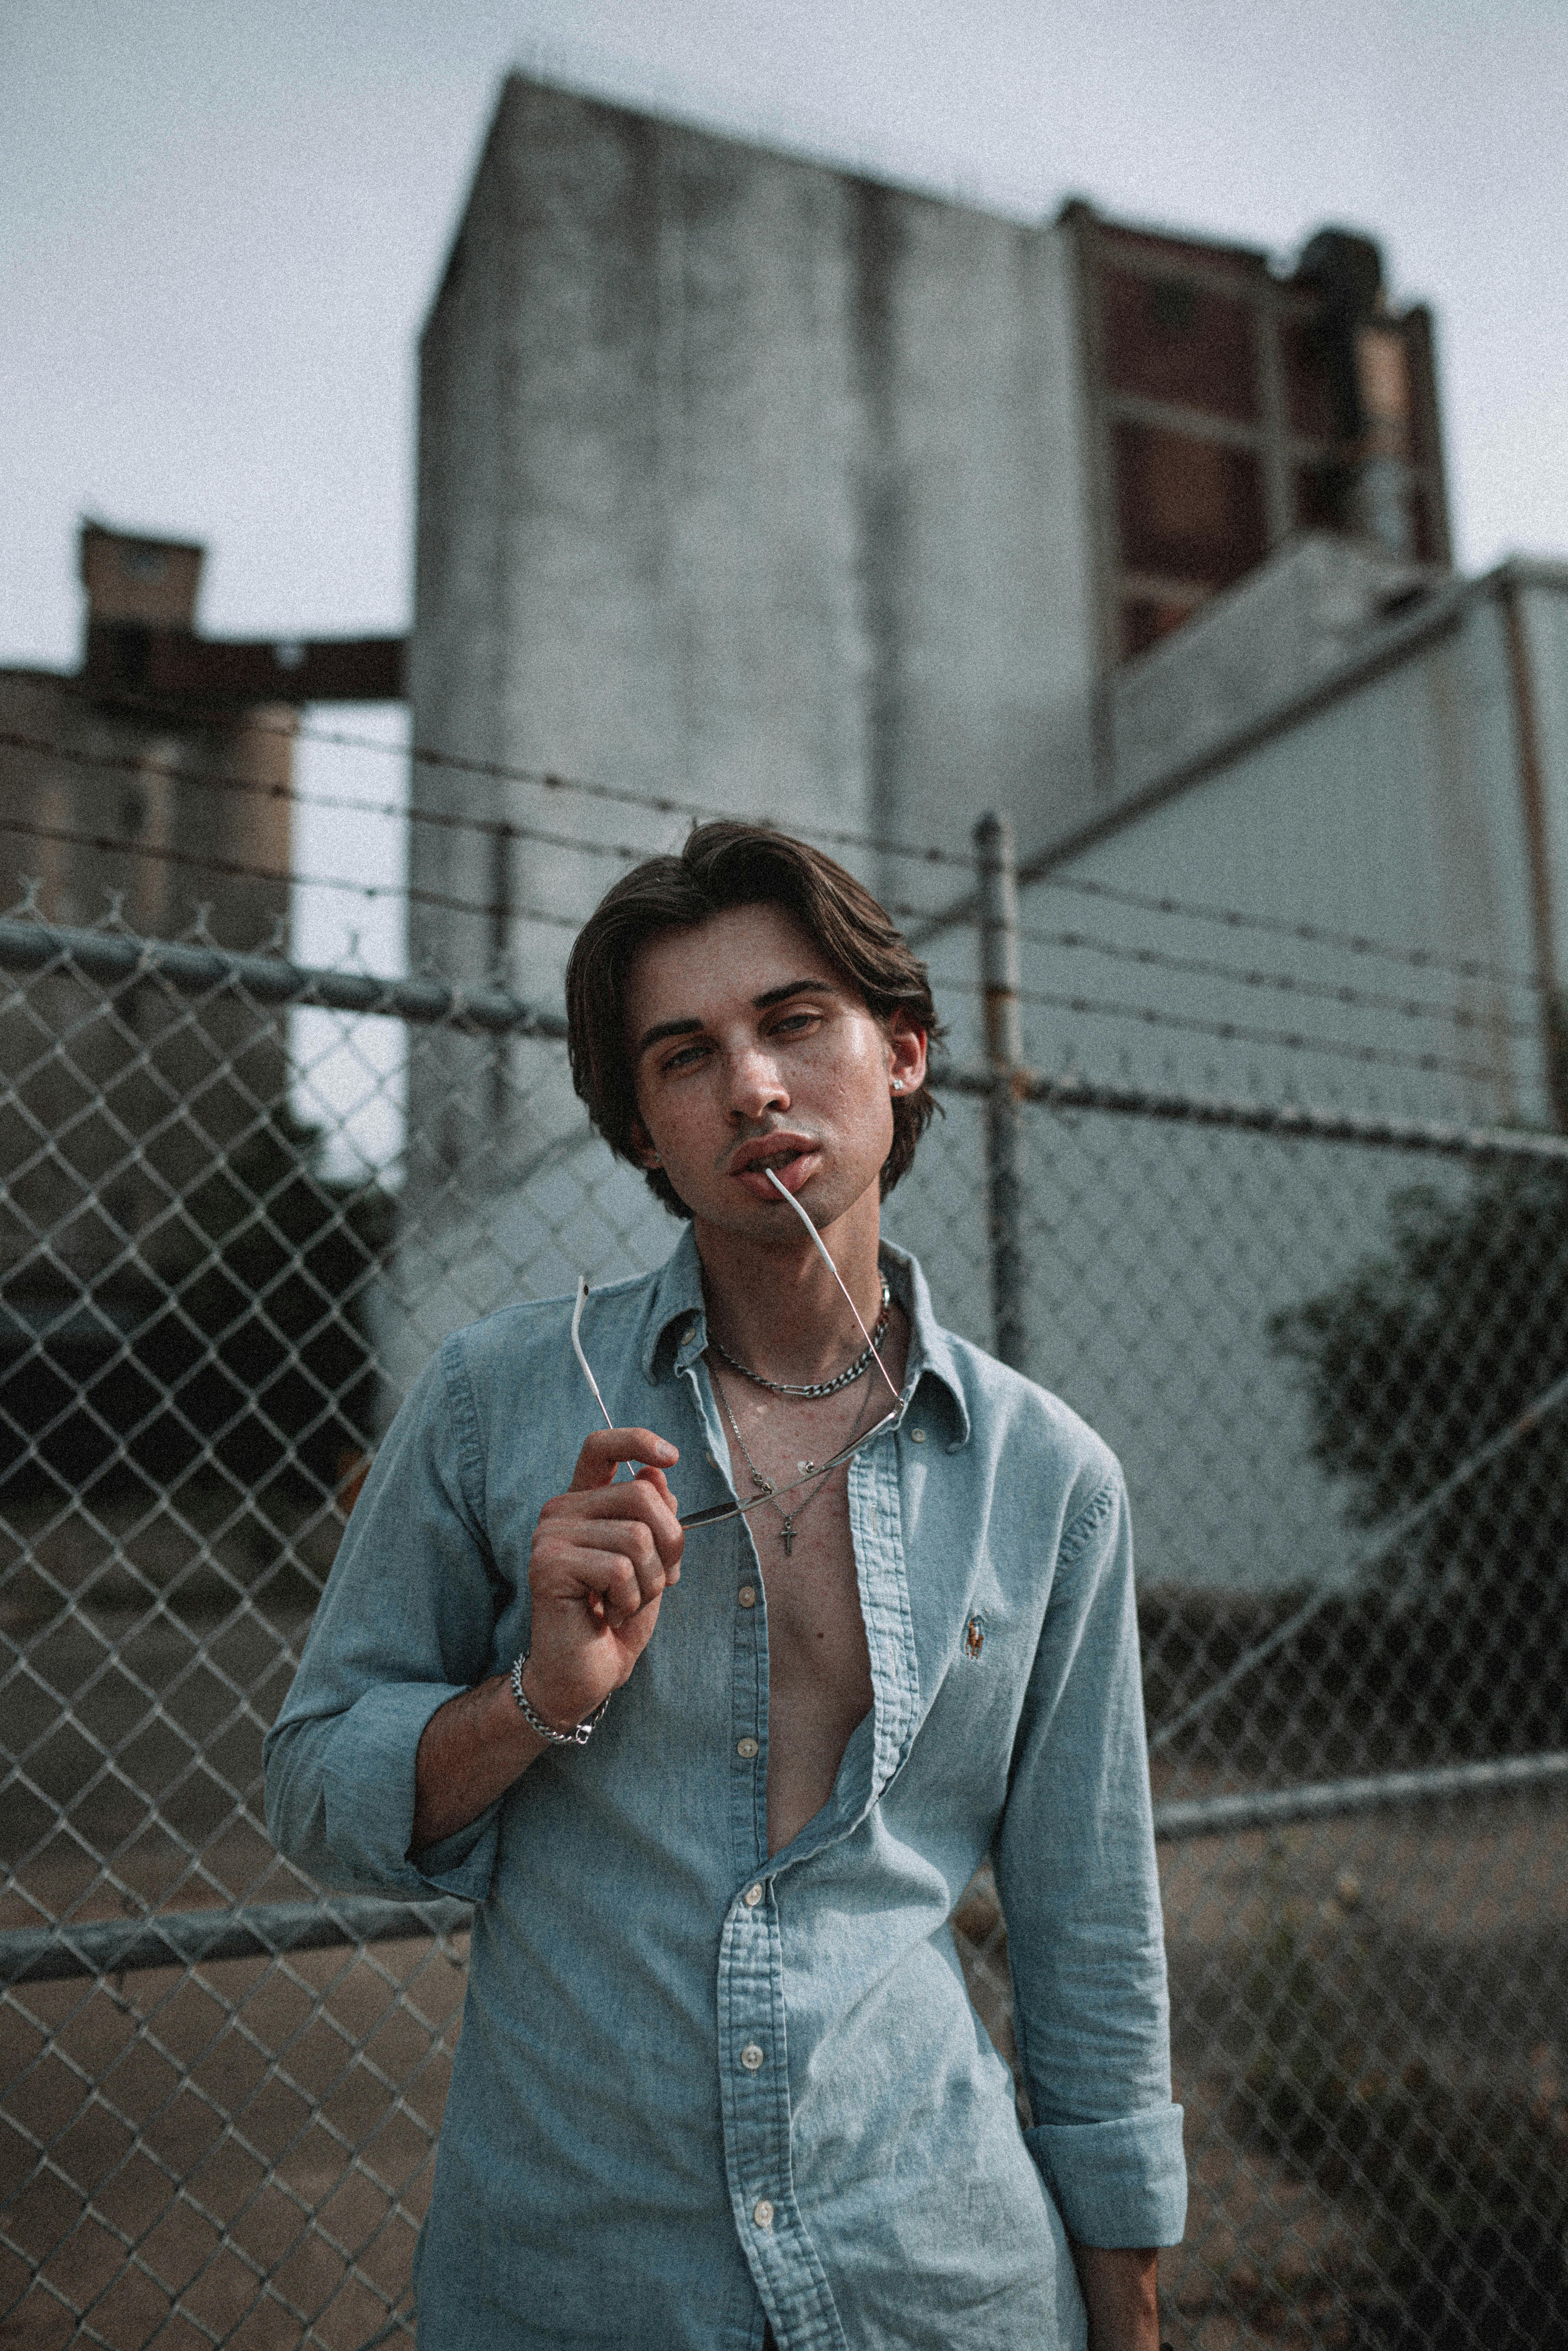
721 965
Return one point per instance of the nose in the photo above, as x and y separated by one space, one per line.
755 1088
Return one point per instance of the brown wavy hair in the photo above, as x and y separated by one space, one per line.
722 866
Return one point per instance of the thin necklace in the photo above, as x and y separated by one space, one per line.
765 1485
846 1378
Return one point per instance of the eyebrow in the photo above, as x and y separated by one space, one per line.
691 1027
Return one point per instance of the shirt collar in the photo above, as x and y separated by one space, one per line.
677 1305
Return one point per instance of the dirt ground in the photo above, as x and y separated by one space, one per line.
243 2154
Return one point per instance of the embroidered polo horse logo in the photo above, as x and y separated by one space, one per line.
974 1637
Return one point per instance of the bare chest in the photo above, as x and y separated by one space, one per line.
819 1667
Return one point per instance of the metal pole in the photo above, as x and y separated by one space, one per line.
998 868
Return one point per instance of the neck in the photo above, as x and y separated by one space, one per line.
775 1305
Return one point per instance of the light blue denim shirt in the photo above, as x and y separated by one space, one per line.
699 2084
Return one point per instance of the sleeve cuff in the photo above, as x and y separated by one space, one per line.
1121 2183
370 1799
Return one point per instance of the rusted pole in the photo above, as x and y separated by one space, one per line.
998 868
1533 799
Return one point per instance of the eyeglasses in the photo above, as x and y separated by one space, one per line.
719 1511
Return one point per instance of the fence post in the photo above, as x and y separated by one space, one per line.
997 867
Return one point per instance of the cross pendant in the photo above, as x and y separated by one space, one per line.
787 1536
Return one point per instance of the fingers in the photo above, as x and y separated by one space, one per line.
644 1501
612 1585
607 1448
611 1552
612 1578
605 1550
634 1543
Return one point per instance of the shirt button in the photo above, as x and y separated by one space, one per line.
746 1747
762 2213
751 2057
917 1436
688 1334
746 1596
752 1896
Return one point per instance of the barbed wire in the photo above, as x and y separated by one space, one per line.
423 755
237 868
1284 983
1161 903
1220 1031
1234 918
509 910
133 764
1232 1032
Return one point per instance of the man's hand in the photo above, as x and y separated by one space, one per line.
604 1556
1120 2289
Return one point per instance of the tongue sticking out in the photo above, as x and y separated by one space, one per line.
820 1245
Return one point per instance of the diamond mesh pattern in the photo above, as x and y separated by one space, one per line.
204 1325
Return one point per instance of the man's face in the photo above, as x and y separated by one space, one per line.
751 1051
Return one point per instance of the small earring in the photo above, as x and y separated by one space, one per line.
898 1085
652 1160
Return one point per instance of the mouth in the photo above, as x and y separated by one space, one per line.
791 1159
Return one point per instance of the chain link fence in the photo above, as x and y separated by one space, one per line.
1331 1352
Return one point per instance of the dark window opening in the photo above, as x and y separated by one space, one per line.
1169 340
1323 497
1188 509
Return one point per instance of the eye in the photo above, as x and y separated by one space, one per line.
685 1057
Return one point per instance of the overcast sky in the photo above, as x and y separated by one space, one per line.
222 226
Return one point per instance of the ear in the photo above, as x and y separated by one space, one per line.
906 1056
642 1145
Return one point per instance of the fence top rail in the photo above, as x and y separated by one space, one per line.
119 956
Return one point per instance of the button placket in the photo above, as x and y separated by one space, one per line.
754 2089
876 1505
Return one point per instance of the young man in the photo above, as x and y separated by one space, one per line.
715 1791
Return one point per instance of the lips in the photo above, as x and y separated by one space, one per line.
790 1157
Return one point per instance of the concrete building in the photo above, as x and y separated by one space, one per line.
153 781
747 478
159 771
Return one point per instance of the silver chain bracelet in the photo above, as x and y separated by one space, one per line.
581 1733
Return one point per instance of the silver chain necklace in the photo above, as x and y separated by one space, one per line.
765 1485
846 1378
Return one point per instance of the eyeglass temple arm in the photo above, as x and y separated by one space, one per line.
820 1245
577 1347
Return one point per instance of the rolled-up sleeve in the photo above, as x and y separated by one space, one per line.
1076 1872
406 1621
